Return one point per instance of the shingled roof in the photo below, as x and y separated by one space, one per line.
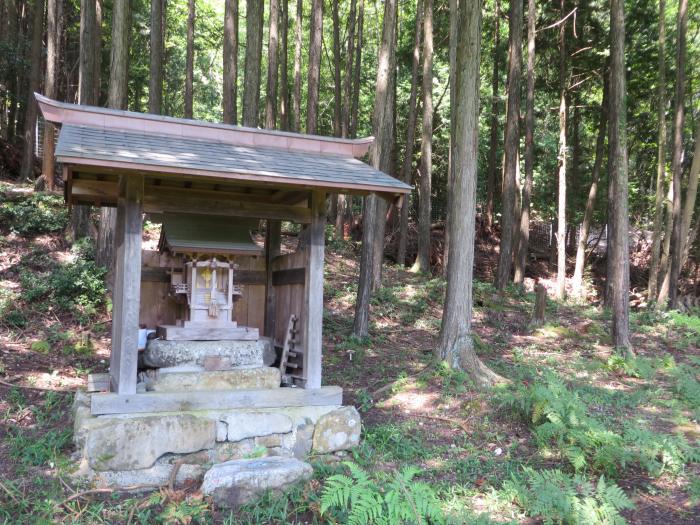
99 137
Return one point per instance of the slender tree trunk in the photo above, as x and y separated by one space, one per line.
493 142
338 91
298 42
524 234
380 156
29 134
411 133
676 165
666 250
617 161
456 346
358 69
660 159
691 194
577 284
253 55
272 67
512 143
422 263
350 56
189 66
98 51
230 86
9 75
284 80
155 84
315 40
50 87
561 201
454 27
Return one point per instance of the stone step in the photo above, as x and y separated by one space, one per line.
241 481
160 353
240 379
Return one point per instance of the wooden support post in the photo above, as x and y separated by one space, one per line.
540 305
272 250
127 285
312 315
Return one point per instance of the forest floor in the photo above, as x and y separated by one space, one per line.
574 420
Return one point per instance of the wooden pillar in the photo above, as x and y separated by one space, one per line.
272 250
312 315
127 285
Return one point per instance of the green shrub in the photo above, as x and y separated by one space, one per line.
557 497
358 499
36 214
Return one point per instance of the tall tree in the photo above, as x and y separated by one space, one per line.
407 174
676 163
493 142
347 85
53 15
577 283
358 69
422 263
155 82
456 346
189 65
617 167
230 86
523 237
298 42
272 66
98 50
660 158
690 197
380 157
29 133
253 55
338 88
511 143
284 64
315 41
561 161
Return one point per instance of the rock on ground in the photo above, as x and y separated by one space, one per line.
337 430
240 481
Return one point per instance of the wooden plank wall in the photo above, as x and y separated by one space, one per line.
289 298
158 307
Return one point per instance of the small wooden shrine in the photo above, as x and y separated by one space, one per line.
210 185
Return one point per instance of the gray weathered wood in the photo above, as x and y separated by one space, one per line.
127 285
97 383
312 316
289 276
272 250
109 403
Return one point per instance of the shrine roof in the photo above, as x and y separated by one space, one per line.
98 137
209 234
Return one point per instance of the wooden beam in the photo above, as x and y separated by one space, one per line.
312 315
127 285
273 240
110 403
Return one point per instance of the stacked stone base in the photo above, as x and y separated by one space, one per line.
141 450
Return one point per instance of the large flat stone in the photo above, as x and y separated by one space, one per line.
156 476
255 424
241 354
130 444
240 379
240 481
337 430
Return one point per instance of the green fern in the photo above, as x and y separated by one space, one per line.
358 500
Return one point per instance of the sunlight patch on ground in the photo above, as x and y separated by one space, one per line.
412 399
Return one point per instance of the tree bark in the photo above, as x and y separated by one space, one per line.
511 143
253 54
315 40
347 86
422 263
577 283
358 69
410 134
189 66
272 67
456 346
561 200
690 197
298 42
617 162
230 86
53 10
660 159
338 91
155 83
493 142
98 51
676 165
524 234
664 269
380 157
284 80
29 133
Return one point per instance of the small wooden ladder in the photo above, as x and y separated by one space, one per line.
292 354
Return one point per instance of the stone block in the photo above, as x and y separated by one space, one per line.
254 424
241 379
227 451
242 354
304 439
221 431
136 443
271 441
156 476
241 481
337 430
